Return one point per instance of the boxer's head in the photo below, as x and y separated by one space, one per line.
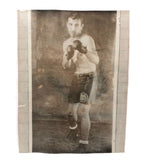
75 24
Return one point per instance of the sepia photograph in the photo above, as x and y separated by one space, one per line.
73 64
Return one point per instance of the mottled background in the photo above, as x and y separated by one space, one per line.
51 83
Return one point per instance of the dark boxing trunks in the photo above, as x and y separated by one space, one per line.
80 88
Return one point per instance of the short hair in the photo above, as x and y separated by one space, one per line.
76 15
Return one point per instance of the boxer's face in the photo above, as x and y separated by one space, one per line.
74 27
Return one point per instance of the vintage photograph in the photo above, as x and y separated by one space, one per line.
72 80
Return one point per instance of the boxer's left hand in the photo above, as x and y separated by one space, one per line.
78 46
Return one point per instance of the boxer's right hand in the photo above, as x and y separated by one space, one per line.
70 52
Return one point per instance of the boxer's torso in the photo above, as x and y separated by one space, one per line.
83 65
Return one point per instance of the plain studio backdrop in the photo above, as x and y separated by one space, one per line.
48 34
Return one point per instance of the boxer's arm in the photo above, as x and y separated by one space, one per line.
65 62
91 51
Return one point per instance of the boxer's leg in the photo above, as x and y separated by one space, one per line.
72 109
72 113
83 112
72 119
